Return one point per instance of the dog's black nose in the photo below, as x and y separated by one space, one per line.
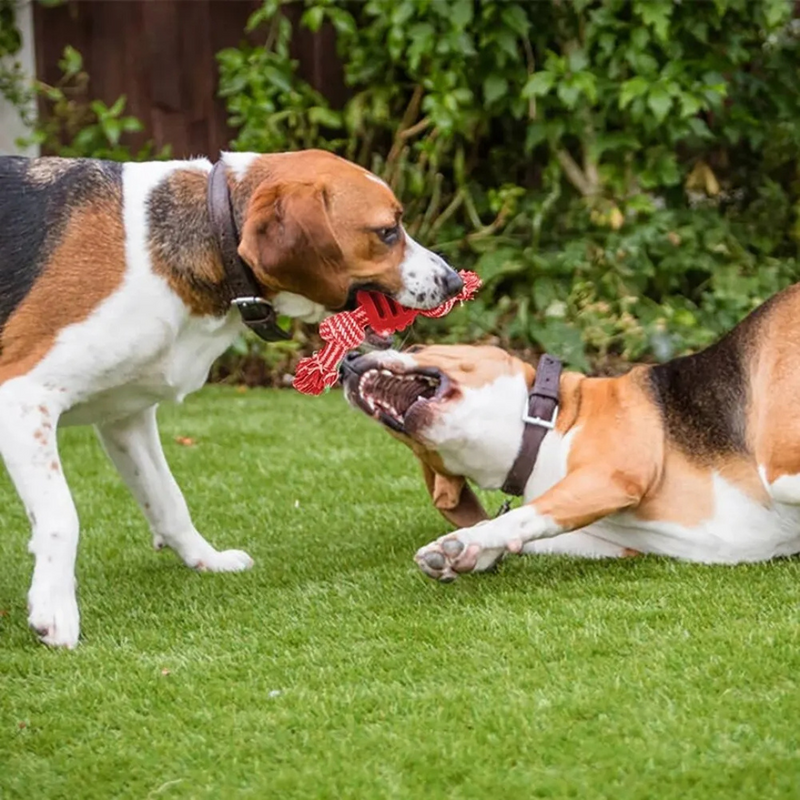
346 366
453 283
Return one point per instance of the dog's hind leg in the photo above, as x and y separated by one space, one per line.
579 544
133 446
28 421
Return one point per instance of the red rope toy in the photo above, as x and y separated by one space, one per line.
344 331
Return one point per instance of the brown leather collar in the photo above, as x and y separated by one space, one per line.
257 313
540 417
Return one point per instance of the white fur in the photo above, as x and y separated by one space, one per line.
785 489
423 274
138 347
376 179
575 543
479 436
460 436
488 541
239 163
739 530
298 307
133 446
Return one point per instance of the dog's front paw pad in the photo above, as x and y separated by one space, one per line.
55 618
225 561
445 558
452 547
434 561
450 556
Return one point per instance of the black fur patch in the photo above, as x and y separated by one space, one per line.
704 398
37 197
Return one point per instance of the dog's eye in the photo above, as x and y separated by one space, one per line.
389 235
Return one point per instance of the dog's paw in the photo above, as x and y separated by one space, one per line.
454 554
53 614
224 561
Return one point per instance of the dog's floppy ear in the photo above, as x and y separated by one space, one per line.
453 497
289 243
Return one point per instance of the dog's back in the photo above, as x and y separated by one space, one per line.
37 199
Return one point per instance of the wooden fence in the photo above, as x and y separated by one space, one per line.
160 54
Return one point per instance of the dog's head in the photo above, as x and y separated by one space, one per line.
459 408
321 227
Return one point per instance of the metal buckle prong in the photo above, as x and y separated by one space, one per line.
246 301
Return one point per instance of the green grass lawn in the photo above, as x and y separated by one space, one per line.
335 670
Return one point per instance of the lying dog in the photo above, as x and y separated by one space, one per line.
698 458
120 284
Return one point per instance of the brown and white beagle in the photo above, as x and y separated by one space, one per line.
697 458
116 292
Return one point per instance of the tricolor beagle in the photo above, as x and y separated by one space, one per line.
116 285
698 458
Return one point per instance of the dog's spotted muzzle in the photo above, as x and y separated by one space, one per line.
398 396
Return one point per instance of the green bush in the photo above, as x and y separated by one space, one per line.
622 173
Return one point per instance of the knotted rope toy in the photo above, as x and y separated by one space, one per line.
345 331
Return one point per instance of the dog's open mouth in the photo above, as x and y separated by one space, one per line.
393 398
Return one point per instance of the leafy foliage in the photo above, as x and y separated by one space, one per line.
13 85
624 173
76 127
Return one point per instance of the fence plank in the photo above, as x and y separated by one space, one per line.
161 55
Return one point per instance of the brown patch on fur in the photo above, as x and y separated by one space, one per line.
308 223
54 466
615 458
773 421
85 267
743 474
472 366
685 494
182 246
451 494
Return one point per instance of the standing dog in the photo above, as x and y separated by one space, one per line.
116 292
698 458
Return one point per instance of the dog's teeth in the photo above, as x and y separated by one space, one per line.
386 372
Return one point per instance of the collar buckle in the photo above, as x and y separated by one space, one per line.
259 315
542 402
550 424
256 312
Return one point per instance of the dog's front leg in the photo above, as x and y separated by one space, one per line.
582 497
29 449
135 449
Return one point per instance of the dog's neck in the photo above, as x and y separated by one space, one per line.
182 245
549 461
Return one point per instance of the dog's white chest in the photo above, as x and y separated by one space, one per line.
177 366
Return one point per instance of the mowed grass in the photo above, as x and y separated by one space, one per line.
334 670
